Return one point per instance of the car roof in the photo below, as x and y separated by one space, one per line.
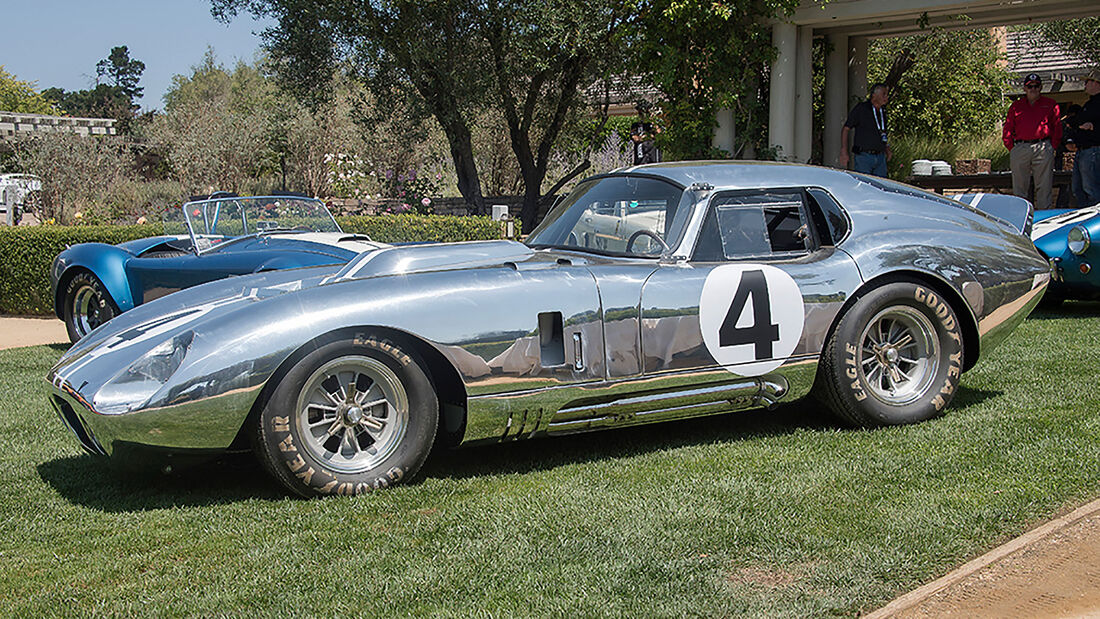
725 174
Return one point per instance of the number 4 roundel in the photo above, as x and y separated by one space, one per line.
751 316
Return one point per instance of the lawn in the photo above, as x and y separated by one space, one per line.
758 513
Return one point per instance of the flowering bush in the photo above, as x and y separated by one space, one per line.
415 191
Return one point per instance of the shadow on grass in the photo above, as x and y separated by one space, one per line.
95 483
61 348
1067 309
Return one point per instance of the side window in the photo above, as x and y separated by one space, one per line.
828 216
742 225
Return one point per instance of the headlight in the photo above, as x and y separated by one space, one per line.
132 388
1079 240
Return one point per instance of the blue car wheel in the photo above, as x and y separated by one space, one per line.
87 305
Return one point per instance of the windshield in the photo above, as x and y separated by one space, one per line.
222 218
618 215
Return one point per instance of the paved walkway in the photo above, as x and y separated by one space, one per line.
1051 571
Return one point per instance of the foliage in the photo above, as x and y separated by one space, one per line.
414 190
1080 36
907 149
102 101
704 56
944 84
78 173
29 250
21 97
123 72
754 514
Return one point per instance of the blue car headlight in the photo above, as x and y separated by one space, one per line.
1079 240
133 388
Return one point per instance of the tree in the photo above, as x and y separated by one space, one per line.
123 72
704 56
525 58
1080 36
945 84
20 96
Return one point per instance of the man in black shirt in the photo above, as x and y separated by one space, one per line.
870 146
642 139
1087 138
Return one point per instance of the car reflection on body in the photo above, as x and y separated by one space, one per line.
757 284
205 240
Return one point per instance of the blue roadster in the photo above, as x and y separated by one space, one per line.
205 240
1068 240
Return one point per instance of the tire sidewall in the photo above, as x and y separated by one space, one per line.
280 444
107 308
853 388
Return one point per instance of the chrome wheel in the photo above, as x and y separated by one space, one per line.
352 413
899 355
86 309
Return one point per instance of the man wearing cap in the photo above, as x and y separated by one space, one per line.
1087 136
1032 132
870 146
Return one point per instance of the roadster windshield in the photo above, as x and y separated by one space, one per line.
617 215
231 217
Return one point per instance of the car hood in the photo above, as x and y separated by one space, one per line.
357 243
161 318
1063 219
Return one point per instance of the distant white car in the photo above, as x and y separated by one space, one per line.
15 192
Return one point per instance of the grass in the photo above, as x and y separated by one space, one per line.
752 514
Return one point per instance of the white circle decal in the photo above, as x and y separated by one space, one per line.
751 316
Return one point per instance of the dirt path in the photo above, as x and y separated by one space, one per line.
20 331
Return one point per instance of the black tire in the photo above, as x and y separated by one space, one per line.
314 436
87 304
895 358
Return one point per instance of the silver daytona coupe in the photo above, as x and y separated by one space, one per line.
653 293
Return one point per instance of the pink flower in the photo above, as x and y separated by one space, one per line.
426 201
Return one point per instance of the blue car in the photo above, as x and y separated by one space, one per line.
1068 240
206 240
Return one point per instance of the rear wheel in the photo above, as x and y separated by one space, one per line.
87 305
895 358
350 417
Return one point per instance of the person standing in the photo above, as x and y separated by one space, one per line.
1087 137
1032 132
644 144
870 144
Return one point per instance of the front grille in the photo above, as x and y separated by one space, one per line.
76 425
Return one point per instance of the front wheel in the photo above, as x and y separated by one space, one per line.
896 357
350 417
87 305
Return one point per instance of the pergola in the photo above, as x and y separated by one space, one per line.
849 24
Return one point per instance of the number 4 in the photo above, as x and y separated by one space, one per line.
762 333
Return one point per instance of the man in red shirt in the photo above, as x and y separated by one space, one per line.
1032 132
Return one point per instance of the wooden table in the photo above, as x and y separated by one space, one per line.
997 182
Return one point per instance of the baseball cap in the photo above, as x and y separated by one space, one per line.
1033 78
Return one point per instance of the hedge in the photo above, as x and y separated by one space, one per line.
26 252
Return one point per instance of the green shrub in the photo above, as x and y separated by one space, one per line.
28 251
906 150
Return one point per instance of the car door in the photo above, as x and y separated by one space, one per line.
761 288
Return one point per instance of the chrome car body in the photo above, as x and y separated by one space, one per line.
529 340
204 240
1068 238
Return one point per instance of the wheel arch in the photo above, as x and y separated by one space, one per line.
107 263
450 390
967 321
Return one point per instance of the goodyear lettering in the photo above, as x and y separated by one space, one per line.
395 474
327 488
296 464
306 476
287 444
381 482
362 488
282 424
938 402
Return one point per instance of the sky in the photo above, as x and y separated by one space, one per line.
59 42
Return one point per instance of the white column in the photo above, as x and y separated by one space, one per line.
804 96
857 70
836 97
782 94
725 134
